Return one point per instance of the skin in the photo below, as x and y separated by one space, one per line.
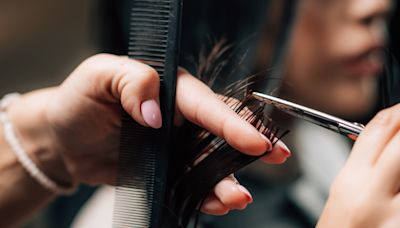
366 192
72 132
329 55
329 38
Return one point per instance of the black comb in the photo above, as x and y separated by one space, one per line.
143 163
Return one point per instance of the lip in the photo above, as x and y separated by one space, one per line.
369 63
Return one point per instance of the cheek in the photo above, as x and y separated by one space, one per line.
309 73
351 98
308 58
345 97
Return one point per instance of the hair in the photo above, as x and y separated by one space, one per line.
211 158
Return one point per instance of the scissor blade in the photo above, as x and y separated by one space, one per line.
319 118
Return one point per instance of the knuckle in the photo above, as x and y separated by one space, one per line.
198 112
225 131
95 59
149 75
97 66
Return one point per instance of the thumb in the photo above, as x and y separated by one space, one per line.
133 84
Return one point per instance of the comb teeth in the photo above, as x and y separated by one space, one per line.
149 32
144 152
136 175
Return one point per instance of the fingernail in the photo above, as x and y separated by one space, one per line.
284 149
246 192
268 143
151 113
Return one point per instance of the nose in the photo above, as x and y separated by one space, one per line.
372 14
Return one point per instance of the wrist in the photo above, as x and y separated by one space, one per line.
33 131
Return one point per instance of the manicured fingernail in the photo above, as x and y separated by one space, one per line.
268 143
151 113
284 149
246 192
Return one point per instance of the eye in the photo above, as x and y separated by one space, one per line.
381 21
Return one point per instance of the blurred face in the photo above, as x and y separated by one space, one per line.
335 57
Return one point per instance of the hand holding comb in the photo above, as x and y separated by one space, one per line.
142 203
144 153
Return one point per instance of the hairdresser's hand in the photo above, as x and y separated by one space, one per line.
83 118
366 192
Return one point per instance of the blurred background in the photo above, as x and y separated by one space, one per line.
42 41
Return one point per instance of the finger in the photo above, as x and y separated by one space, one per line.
133 84
396 203
213 206
388 166
279 154
232 194
200 105
375 136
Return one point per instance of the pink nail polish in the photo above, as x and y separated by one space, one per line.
284 148
151 113
246 192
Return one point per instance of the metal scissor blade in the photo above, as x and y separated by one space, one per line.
351 130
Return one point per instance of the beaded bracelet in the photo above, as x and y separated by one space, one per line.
21 154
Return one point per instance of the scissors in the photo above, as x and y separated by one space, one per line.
349 129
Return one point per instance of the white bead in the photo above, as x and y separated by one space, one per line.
21 154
